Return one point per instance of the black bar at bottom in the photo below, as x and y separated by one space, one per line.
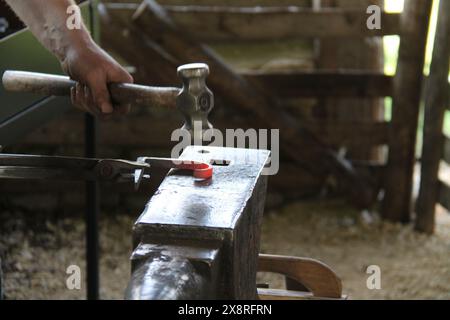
92 211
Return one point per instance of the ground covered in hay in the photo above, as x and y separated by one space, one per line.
36 250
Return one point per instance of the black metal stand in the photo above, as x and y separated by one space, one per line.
92 211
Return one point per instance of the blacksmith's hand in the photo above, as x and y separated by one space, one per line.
93 69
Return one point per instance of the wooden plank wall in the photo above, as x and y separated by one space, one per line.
364 54
352 81
346 85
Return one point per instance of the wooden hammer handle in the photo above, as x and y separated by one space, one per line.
121 93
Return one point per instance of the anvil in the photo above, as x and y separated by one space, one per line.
201 240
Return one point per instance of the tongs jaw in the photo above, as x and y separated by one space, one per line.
120 170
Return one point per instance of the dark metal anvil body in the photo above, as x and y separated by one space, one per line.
200 239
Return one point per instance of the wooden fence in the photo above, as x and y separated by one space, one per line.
436 147
339 89
210 23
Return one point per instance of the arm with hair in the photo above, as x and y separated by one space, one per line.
81 58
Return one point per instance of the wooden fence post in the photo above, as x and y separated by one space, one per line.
408 81
436 98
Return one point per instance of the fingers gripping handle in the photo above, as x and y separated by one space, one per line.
121 93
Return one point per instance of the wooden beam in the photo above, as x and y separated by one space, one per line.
157 135
221 23
283 84
444 195
323 83
427 88
407 89
120 37
435 107
275 23
351 133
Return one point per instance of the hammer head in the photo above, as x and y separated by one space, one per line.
195 100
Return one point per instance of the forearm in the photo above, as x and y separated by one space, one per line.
47 20
81 58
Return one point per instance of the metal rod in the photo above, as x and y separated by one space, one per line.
92 211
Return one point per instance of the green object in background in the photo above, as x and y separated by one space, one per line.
22 51
447 123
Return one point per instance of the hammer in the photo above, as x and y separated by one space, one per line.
194 99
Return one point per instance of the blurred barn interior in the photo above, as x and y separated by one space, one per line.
362 115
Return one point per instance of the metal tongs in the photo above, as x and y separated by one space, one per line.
18 166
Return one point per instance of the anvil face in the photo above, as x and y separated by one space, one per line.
216 204
220 217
